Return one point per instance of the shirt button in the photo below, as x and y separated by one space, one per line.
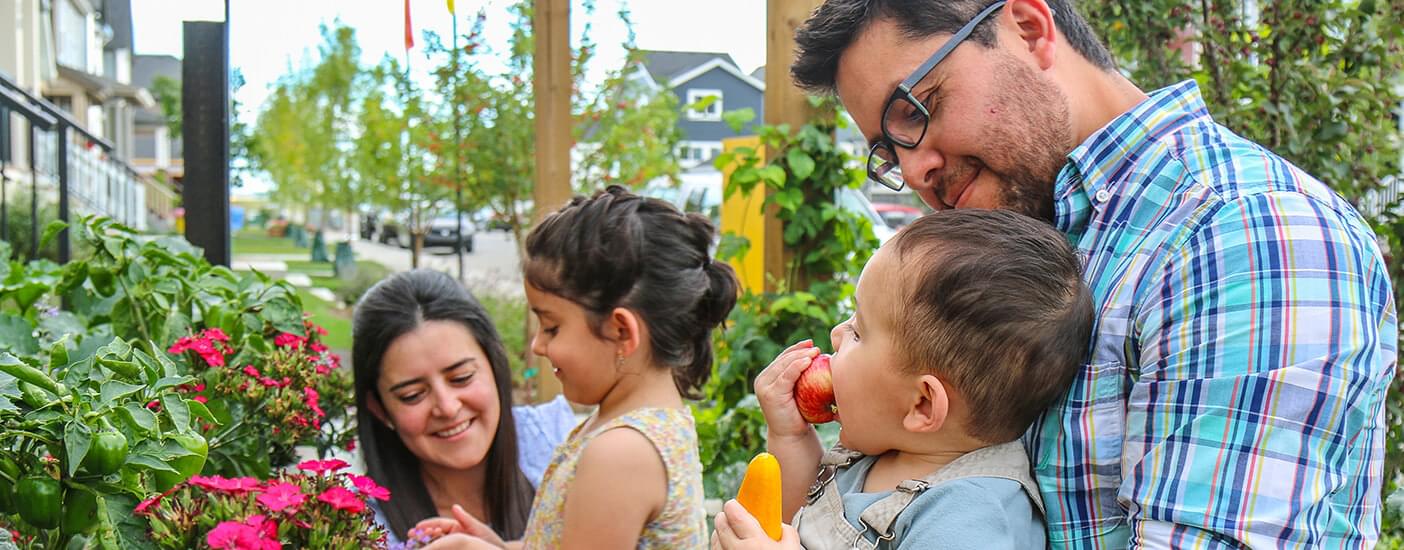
1103 195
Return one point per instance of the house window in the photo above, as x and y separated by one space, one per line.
711 111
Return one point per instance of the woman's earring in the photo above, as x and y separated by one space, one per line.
389 425
619 360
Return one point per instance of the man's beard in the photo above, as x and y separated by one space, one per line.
1035 136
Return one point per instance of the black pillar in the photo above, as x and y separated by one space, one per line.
61 133
205 115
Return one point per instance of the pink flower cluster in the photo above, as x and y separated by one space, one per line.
211 345
249 512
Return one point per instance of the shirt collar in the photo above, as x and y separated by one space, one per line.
1086 182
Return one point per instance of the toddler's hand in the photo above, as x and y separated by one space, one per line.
737 529
775 390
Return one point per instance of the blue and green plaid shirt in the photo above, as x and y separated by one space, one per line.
1245 340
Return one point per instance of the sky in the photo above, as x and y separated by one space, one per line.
269 37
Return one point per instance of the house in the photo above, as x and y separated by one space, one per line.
73 59
693 76
158 147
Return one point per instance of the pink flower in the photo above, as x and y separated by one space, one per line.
268 382
199 387
351 444
341 499
368 487
251 535
202 399
251 371
323 368
279 496
180 345
288 340
216 335
312 401
322 466
225 485
317 347
147 504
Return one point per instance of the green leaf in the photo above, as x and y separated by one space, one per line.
139 417
739 118
149 462
16 334
113 390
801 164
77 437
171 382
50 230
199 410
175 408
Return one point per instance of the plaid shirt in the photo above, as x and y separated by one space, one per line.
1244 343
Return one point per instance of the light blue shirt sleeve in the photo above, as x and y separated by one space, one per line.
540 429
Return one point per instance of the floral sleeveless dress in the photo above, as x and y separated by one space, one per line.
682 522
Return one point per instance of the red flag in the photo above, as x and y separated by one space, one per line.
409 29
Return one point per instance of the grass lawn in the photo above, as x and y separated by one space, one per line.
337 321
246 243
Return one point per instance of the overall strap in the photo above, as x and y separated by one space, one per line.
1006 460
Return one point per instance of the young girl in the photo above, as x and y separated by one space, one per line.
627 296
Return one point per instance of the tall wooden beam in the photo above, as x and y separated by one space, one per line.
552 86
784 104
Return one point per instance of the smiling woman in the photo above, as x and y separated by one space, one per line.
434 406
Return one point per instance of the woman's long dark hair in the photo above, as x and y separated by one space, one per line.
392 308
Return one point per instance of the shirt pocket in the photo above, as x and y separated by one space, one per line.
1077 460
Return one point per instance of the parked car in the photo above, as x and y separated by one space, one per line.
443 231
897 216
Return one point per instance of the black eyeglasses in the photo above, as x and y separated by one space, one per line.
905 118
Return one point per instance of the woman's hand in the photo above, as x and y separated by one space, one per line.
775 390
737 529
461 523
459 541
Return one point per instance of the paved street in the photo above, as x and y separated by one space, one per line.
491 266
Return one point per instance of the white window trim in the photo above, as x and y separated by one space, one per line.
715 111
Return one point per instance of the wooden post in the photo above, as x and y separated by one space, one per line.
552 86
784 104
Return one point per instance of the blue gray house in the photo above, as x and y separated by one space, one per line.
696 75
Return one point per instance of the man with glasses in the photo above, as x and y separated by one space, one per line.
1246 333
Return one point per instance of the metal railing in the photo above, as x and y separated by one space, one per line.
79 165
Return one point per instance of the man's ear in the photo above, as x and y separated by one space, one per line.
626 328
929 412
1032 24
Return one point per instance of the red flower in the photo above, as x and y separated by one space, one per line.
368 487
202 399
288 340
322 466
341 499
317 347
180 345
251 371
225 485
322 368
154 405
279 496
216 335
234 535
351 444
312 401
199 387
147 504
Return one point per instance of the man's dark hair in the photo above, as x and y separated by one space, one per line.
993 303
835 24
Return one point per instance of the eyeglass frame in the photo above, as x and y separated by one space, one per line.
903 92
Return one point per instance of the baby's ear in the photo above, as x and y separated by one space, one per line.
928 412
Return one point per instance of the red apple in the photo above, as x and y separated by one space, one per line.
814 392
